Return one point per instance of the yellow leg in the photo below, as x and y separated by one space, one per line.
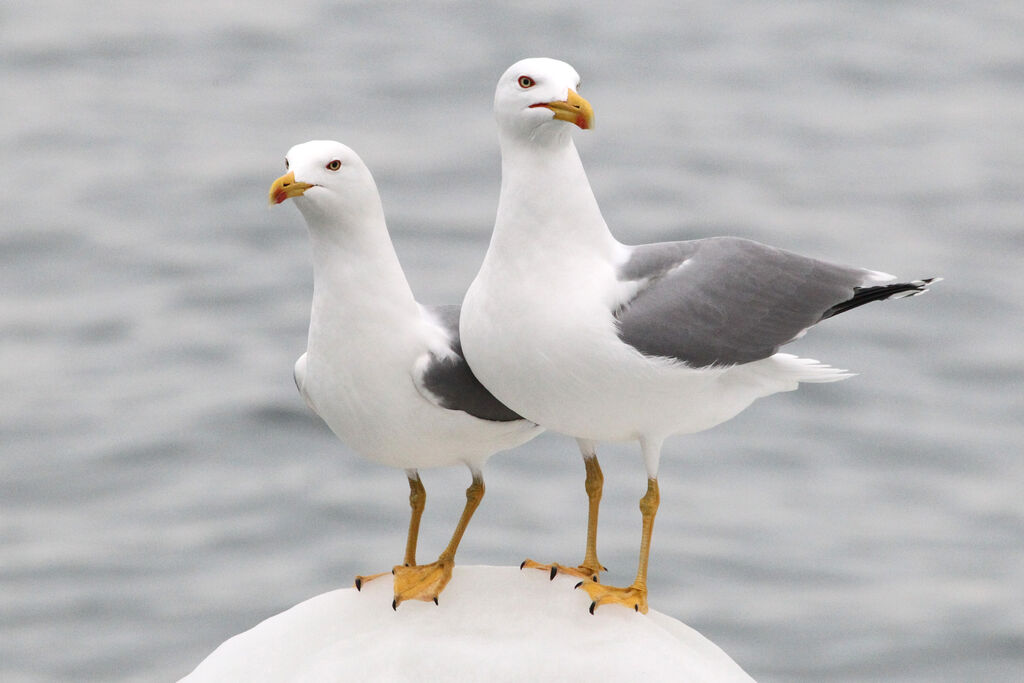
594 485
425 582
474 494
635 595
417 501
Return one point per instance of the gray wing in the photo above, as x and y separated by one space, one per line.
726 300
450 381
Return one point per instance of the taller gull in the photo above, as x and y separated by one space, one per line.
384 372
609 342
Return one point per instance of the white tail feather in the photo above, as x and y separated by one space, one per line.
788 366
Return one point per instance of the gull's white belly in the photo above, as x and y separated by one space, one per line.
568 371
593 386
560 363
375 409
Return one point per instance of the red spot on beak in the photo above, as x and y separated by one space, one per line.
280 196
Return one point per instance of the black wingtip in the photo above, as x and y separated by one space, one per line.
865 295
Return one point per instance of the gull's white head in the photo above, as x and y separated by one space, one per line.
536 96
327 180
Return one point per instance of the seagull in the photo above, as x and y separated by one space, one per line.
604 341
384 372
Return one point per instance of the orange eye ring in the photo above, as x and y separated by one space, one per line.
333 165
526 82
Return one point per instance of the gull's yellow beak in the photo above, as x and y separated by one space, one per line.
573 109
286 187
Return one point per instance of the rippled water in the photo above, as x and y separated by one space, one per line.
162 486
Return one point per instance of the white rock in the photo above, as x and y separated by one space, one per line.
492 624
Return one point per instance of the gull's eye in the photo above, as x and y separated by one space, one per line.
286 164
334 165
526 82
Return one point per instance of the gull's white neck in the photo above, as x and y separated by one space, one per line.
356 273
546 204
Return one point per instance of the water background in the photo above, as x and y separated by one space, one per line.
162 486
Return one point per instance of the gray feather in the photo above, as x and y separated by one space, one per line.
453 383
726 300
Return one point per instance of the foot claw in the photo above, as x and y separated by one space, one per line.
577 585
583 571
394 604
634 596
422 581
363 579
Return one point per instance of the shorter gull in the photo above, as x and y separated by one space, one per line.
384 372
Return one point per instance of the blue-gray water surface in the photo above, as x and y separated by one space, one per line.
162 486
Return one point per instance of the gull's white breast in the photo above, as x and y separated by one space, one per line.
360 382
